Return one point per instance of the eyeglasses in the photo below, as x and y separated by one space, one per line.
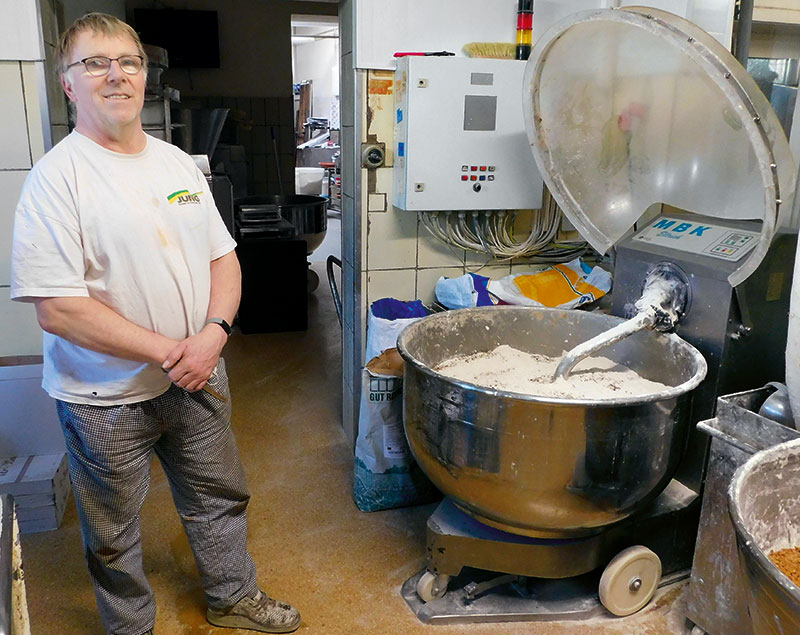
98 65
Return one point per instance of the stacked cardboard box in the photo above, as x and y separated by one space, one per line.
40 487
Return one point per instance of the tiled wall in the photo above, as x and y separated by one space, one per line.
27 128
353 278
253 119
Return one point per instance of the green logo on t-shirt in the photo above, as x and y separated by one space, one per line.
183 197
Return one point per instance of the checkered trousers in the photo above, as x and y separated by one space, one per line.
110 451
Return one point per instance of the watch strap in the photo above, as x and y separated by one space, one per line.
215 320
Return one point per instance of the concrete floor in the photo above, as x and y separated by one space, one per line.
342 568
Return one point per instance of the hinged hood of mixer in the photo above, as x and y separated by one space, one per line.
625 108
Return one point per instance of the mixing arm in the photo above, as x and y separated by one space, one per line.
661 305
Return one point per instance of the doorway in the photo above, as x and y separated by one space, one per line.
315 77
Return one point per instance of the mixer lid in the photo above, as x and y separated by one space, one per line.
626 108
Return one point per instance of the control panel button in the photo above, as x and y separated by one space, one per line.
491 168
483 168
491 177
465 168
474 168
483 177
474 177
477 187
464 177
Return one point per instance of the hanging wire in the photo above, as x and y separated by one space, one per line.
492 232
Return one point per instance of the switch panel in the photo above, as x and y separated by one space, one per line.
460 141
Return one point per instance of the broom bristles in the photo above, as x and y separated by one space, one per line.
499 50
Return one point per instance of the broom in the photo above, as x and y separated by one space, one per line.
499 50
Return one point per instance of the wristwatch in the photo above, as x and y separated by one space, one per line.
223 324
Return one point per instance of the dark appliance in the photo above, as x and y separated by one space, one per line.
191 37
273 261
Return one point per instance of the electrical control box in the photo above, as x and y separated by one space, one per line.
460 141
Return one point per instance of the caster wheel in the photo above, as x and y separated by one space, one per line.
630 580
431 586
312 280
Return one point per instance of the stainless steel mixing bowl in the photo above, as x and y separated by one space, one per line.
763 503
539 466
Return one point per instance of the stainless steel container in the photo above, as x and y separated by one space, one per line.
536 466
764 501
308 214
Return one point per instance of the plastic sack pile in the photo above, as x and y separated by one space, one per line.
386 475
563 286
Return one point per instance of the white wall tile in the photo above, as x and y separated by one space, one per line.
21 334
377 202
386 26
383 182
475 260
433 253
427 279
493 271
392 240
20 31
399 284
16 152
522 266
33 106
10 187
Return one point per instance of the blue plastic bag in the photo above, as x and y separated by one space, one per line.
465 291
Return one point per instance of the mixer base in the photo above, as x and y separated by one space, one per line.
546 579
528 600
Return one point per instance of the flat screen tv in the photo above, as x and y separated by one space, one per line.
190 37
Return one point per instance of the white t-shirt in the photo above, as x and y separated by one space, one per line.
134 231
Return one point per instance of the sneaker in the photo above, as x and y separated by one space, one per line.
259 613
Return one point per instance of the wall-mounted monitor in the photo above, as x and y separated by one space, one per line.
190 37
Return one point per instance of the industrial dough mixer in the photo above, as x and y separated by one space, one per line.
638 120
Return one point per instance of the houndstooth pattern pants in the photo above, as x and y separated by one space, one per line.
110 451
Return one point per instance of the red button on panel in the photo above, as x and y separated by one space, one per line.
483 168
474 168
464 177
474 177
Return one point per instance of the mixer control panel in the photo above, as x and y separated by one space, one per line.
710 239
460 141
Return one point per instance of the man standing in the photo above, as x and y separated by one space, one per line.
118 243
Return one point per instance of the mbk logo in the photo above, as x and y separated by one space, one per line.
681 228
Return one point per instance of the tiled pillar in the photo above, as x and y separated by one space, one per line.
28 40
352 278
